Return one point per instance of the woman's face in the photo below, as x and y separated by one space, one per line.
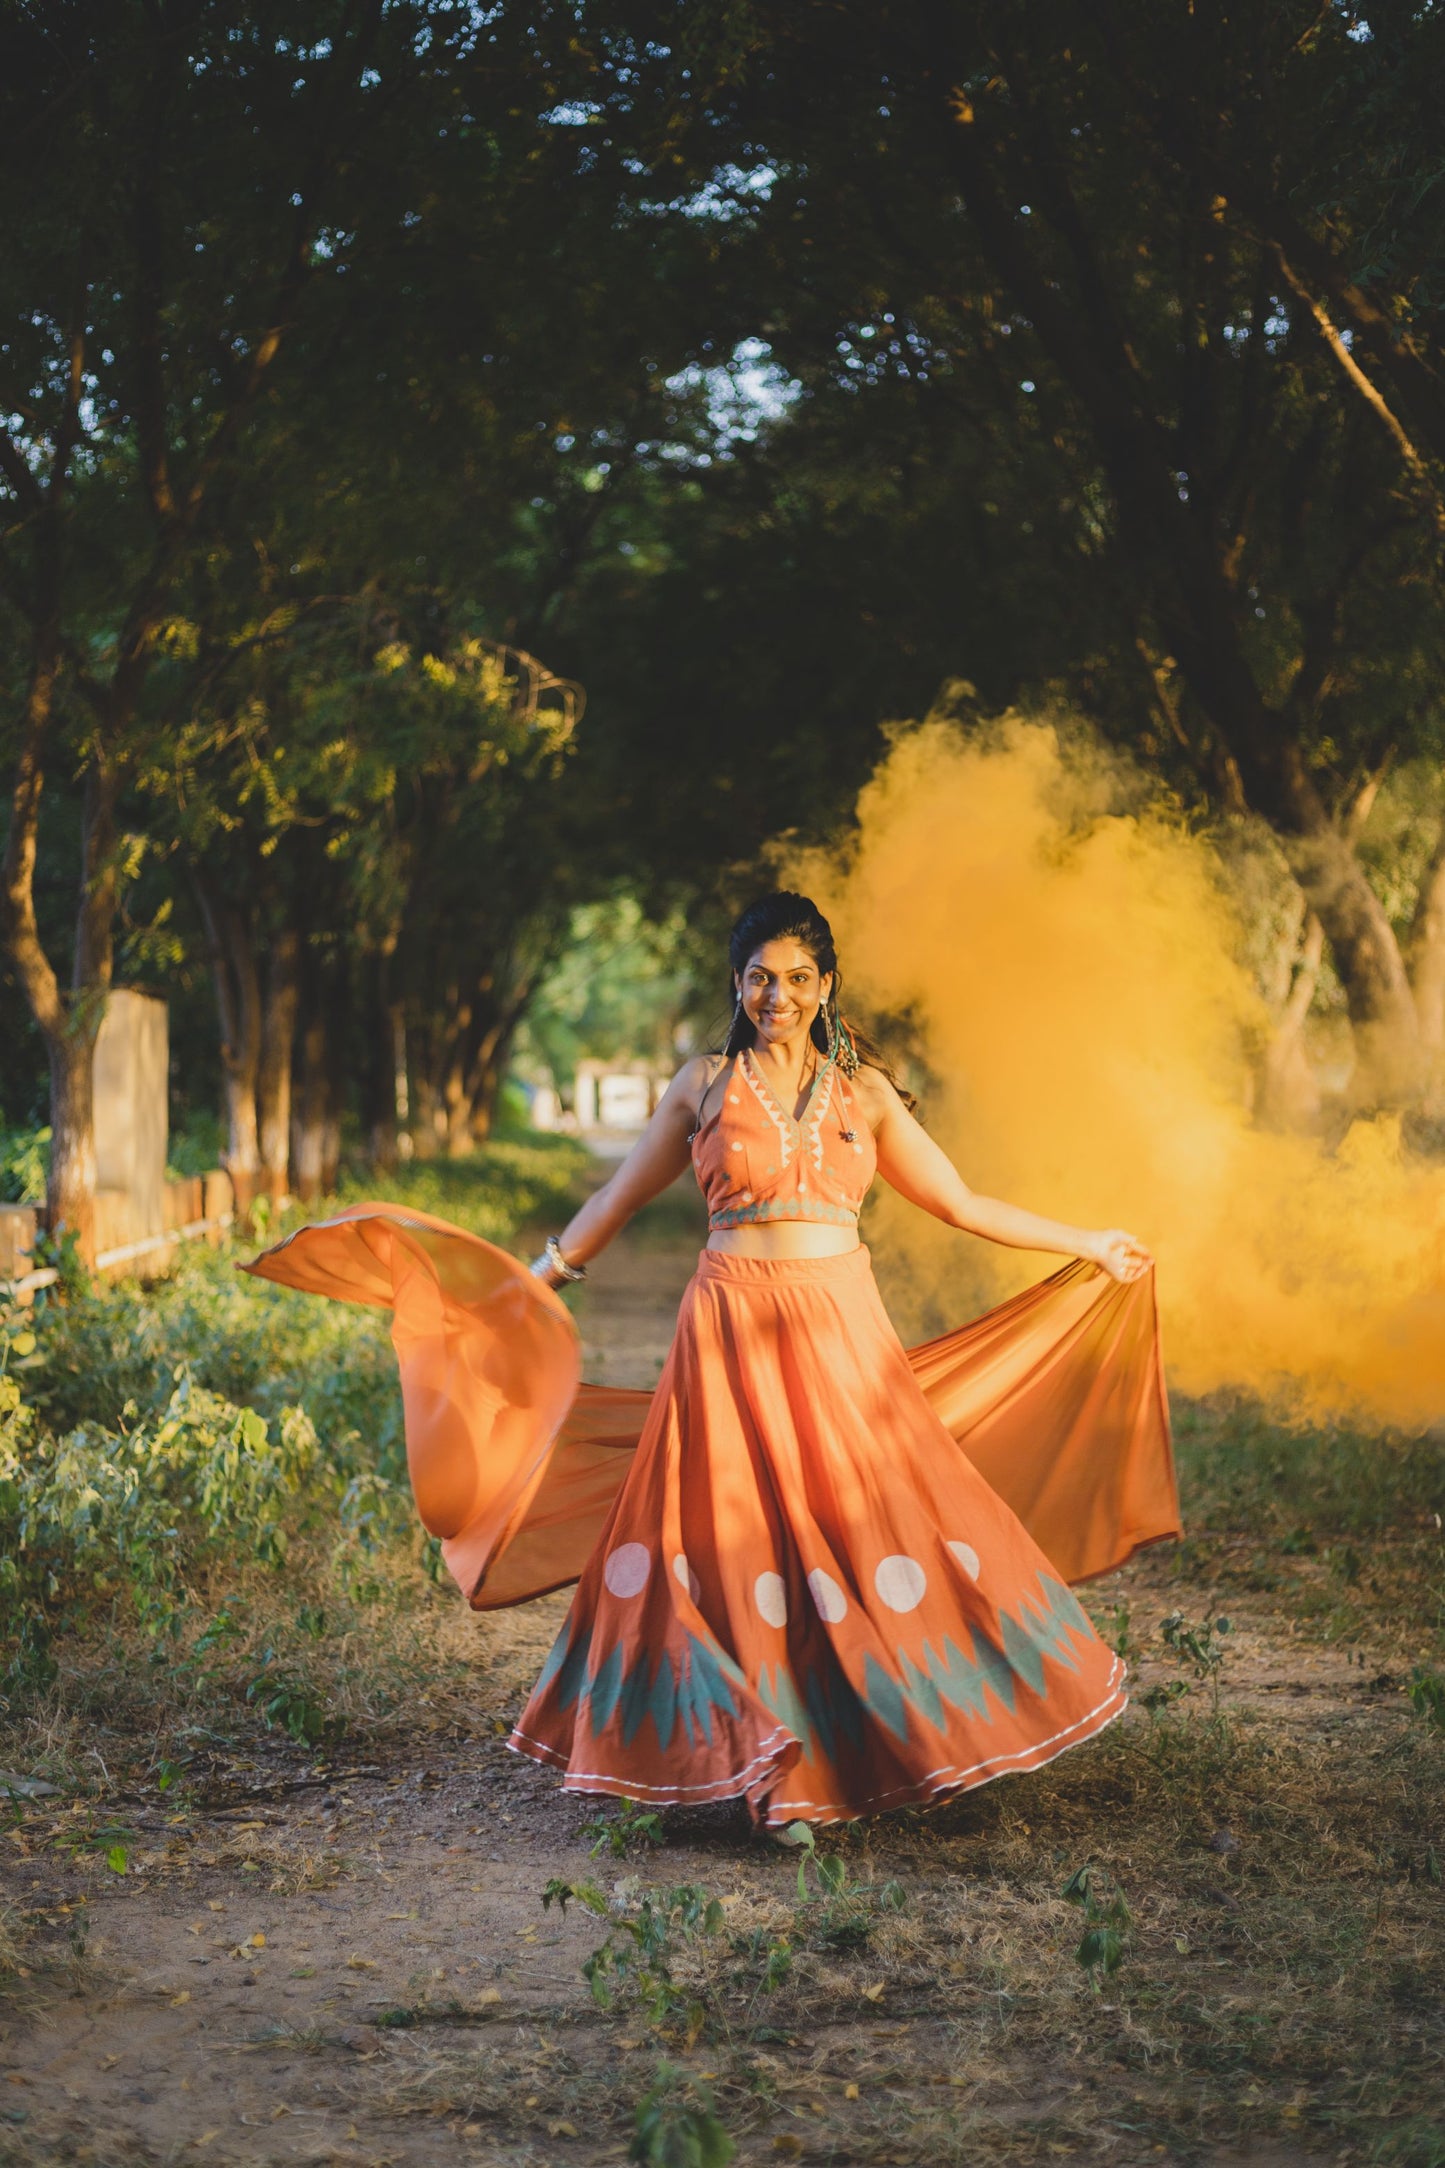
782 991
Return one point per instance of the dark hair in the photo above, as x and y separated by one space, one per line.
787 916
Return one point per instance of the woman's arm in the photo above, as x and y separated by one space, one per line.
910 1161
655 1161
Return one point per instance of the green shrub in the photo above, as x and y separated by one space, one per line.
24 1165
143 1502
149 1432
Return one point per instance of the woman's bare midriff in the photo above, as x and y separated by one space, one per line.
784 1239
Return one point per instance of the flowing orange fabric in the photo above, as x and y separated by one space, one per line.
816 1570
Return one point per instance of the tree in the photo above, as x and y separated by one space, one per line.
1020 218
177 224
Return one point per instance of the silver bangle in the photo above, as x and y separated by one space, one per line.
552 1260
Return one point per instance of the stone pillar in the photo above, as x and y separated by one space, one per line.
17 1240
132 1085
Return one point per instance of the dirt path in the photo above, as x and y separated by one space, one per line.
351 1964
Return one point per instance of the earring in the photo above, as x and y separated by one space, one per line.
737 1017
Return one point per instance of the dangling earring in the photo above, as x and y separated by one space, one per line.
845 1050
831 1012
737 1017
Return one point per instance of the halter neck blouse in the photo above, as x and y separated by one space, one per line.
755 1162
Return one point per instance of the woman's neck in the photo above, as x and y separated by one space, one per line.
789 1066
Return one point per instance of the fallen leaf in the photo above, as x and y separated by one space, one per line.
788 2145
16 2077
629 2043
206 2137
875 1992
214 1904
531 2101
362 1964
561 2130
107 2062
196 1930
258 1940
177 2000
490 1995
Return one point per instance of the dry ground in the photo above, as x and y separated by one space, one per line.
344 1957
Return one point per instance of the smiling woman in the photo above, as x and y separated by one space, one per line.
816 1571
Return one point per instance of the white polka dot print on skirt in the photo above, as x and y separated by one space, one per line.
684 1573
830 1600
771 1598
900 1582
967 1557
627 1569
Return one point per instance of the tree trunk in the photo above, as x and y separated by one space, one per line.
1289 1094
383 1069
1427 961
232 956
1389 1068
273 1087
316 1127
489 1067
70 1191
68 1023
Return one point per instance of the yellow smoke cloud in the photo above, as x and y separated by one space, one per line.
1073 980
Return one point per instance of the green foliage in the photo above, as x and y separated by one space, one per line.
1107 1923
196 1148
24 1165
1417 2143
153 1436
847 1910
289 1705
676 2126
1199 1648
617 1833
139 1505
1427 1695
636 1962
623 984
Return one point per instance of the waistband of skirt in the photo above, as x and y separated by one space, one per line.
726 1266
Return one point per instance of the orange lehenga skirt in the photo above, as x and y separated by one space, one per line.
815 1570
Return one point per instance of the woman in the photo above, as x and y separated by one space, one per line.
796 1585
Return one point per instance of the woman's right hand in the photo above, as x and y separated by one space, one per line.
1123 1256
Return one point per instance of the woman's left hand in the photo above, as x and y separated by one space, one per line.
1122 1255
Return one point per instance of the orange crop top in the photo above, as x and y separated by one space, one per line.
755 1164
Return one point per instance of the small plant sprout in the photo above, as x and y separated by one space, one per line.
676 2126
848 1910
1427 1695
1200 1649
1107 1921
650 1932
618 1834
